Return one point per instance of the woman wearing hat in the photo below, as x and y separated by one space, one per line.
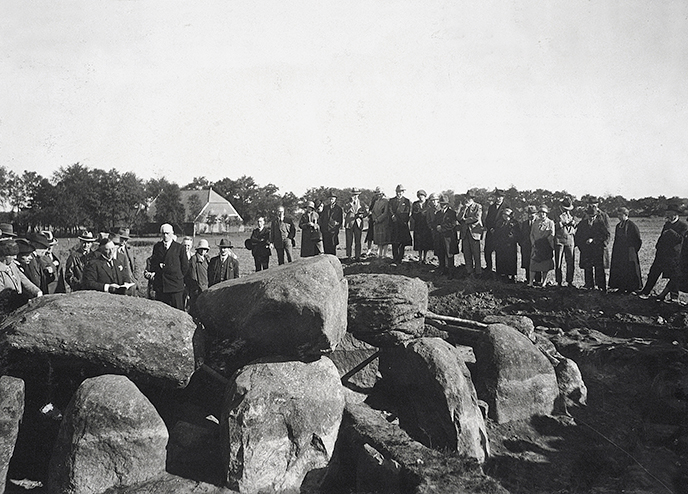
196 279
311 237
381 220
15 287
542 241
564 246
422 235
624 273
224 266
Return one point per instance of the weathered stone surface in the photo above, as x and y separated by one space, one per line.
515 379
141 338
547 348
11 412
111 435
194 451
522 324
434 396
296 310
386 309
570 381
366 435
351 352
167 484
280 422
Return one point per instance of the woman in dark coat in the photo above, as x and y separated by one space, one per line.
505 240
422 236
260 245
311 237
624 274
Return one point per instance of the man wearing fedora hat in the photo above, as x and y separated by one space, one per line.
354 212
667 253
493 213
592 239
565 228
168 267
224 266
196 279
471 223
78 257
331 220
7 230
400 214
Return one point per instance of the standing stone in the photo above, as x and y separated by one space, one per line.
143 339
11 412
434 396
111 436
280 421
515 379
296 310
386 309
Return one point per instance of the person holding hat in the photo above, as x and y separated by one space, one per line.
592 239
168 267
542 241
399 214
564 246
311 237
78 257
105 272
224 266
471 224
15 287
260 245
7 230
381 219
493 213
448 242
282 236
422 235
354 212
196 279
624 272
524 241
331 220
667 253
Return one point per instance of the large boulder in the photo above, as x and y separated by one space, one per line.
111 435
349 354
570 381
515 379
386 309
522 324
434 396
143 339
11 412
280 422
296 310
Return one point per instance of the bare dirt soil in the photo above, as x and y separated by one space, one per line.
633 434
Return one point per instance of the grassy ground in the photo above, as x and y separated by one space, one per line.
649 231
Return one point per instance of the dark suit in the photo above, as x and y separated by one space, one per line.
170 266
100 271
490 224
219 270
331 220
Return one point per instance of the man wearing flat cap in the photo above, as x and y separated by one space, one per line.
471 223
493 213
592 239
78 257
331 220
400 214
354 212
667 253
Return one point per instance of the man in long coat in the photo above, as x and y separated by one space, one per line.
331 220
169 265
592 239
668 253
493 213
524 241
400 214
446 228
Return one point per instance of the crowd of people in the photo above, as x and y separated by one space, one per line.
547 240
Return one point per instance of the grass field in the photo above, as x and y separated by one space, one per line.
649 231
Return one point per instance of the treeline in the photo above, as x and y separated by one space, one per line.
78 196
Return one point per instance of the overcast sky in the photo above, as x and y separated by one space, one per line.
589 96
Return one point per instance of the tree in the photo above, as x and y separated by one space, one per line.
169 207
193 207
198 183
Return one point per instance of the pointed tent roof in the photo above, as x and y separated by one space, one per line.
211 203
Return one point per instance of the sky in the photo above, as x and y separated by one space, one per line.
585 96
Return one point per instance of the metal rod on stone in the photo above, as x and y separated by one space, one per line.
456 320
360 366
